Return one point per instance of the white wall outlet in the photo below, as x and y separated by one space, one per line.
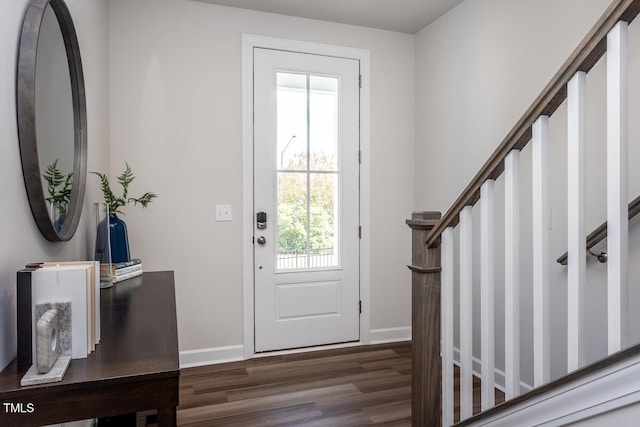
223 213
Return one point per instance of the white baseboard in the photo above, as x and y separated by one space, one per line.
211 356
234 353
381 336
82 423
499 375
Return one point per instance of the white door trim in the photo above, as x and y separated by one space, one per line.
249 42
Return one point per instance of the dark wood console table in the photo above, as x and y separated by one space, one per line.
134 368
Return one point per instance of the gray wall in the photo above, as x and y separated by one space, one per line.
176 104
478 69
21 241
164 93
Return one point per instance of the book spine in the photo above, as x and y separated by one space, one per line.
119 265
126 270
127 276
24 318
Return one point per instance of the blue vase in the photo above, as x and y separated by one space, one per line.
59 221
119 240
58 215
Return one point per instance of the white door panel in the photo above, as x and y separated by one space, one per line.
306 172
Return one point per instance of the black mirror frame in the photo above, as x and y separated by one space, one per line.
25 98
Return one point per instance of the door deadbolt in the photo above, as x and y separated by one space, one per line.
261 220
261 240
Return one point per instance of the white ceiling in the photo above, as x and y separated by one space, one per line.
407 16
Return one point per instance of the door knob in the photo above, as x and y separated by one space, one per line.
261 240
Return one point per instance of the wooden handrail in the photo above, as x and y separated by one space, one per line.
600 233
586 55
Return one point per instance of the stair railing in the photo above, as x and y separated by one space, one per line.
433 247
600 233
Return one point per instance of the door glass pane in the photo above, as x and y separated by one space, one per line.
292 213
323 122
308 171
323 220
291 121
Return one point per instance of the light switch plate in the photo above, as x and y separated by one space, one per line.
223 213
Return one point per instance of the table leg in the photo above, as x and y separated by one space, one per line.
167 416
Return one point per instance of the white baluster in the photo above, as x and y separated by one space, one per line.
466 313
447 327
487 278
576 223
617 210
541 212
512 274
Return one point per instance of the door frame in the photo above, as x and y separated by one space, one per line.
249 42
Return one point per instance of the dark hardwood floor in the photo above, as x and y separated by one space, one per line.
477 393
346 387
353 386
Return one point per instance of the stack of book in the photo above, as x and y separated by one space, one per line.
70 284
122 270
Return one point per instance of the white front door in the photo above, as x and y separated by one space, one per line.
306 200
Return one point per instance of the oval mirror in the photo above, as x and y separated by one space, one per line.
52 121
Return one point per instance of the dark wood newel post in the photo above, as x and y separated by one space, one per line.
426 378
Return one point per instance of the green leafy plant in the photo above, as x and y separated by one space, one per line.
116 202
55 179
